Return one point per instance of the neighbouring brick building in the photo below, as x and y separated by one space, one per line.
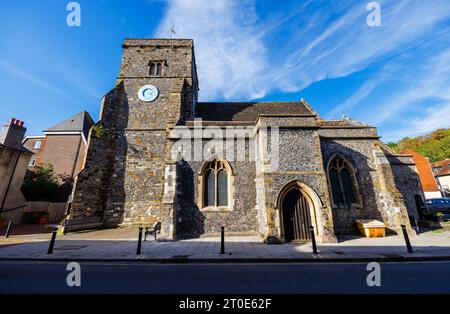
150 158
14 159
62 146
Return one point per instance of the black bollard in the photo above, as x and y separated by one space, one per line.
222 240
8 229
52 241
138 251
313 239
405 235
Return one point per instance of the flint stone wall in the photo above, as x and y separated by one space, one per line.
193 221
360 154
300 160
130 178
124 175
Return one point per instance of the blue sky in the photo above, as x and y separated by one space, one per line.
396 76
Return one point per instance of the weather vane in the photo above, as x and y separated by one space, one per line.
172 31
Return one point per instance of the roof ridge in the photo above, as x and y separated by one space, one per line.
248 102
250 110
73 123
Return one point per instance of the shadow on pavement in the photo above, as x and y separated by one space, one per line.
26 230
208 250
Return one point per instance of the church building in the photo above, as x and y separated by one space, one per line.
271 169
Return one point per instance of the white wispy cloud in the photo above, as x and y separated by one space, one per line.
236 61
434 117
419 85
231 60
363 92
347 44
31 78
38 82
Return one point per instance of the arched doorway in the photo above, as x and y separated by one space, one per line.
296 216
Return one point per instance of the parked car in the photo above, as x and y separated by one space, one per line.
439 205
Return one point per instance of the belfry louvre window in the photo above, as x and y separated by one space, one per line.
156 67
215 184
343 183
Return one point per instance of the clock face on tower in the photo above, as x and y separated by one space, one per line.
148 93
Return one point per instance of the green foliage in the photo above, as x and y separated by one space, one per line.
98 131
42 185
392 145
435 146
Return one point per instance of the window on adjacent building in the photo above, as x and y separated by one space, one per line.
343 183
156 68
37 144
216 183
32 163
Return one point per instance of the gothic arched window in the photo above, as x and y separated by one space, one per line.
215 184
343 183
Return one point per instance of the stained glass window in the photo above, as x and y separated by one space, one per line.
210 183
215 184
343 183
222 188
336 188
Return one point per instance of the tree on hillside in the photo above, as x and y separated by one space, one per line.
393 145
435 146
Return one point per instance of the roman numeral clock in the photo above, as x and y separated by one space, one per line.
148 93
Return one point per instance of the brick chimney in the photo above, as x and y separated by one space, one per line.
12 133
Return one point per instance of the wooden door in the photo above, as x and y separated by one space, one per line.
296 216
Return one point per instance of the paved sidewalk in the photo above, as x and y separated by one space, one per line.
120 244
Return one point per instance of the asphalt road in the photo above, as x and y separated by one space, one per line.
50 277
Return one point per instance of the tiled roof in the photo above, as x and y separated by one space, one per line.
440 163
441 167
77 123
247 111
445 171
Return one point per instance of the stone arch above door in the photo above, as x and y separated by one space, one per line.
314 202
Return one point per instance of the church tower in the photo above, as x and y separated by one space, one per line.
128 177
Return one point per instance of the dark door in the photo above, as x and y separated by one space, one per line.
296 218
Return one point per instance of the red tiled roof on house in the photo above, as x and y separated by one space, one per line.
440 163
425 172
445 171
442 167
